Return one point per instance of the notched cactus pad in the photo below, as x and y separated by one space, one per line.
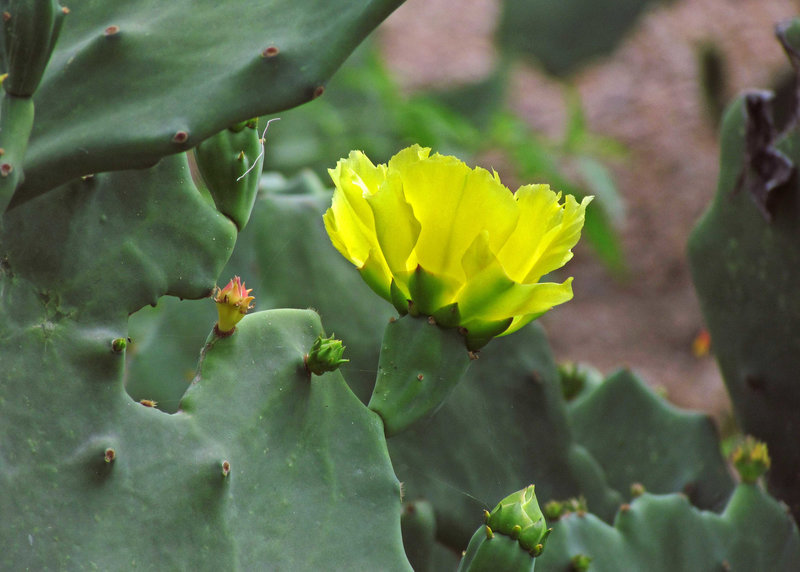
157 77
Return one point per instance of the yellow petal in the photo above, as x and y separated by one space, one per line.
545 235
350 222
491 295
478 256
539 212
453 204
396 227
348 234
370 176
519 322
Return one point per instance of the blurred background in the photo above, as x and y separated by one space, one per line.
620 99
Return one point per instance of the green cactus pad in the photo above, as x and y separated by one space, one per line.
130 83
746 268
230 163
665 534
274 262
495 431
250 462
289 261
106 244
419 366
262 467
663 436
514 427
30 31
419 534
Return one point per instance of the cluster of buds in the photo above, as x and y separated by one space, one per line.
751 459
233 302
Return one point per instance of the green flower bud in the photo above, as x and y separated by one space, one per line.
519 516
325 355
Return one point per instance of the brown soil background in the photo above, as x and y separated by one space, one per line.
646 95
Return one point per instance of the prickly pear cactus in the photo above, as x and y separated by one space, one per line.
745 256
242 475
262 464
491 432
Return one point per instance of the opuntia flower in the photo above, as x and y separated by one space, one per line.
436 238
233 302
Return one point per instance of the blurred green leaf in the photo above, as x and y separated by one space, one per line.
600 183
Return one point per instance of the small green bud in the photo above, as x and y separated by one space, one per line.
637 490
519 517
118 344
554 509
580 562
751 459
325 355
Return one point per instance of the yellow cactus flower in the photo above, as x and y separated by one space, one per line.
233 302
434 237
